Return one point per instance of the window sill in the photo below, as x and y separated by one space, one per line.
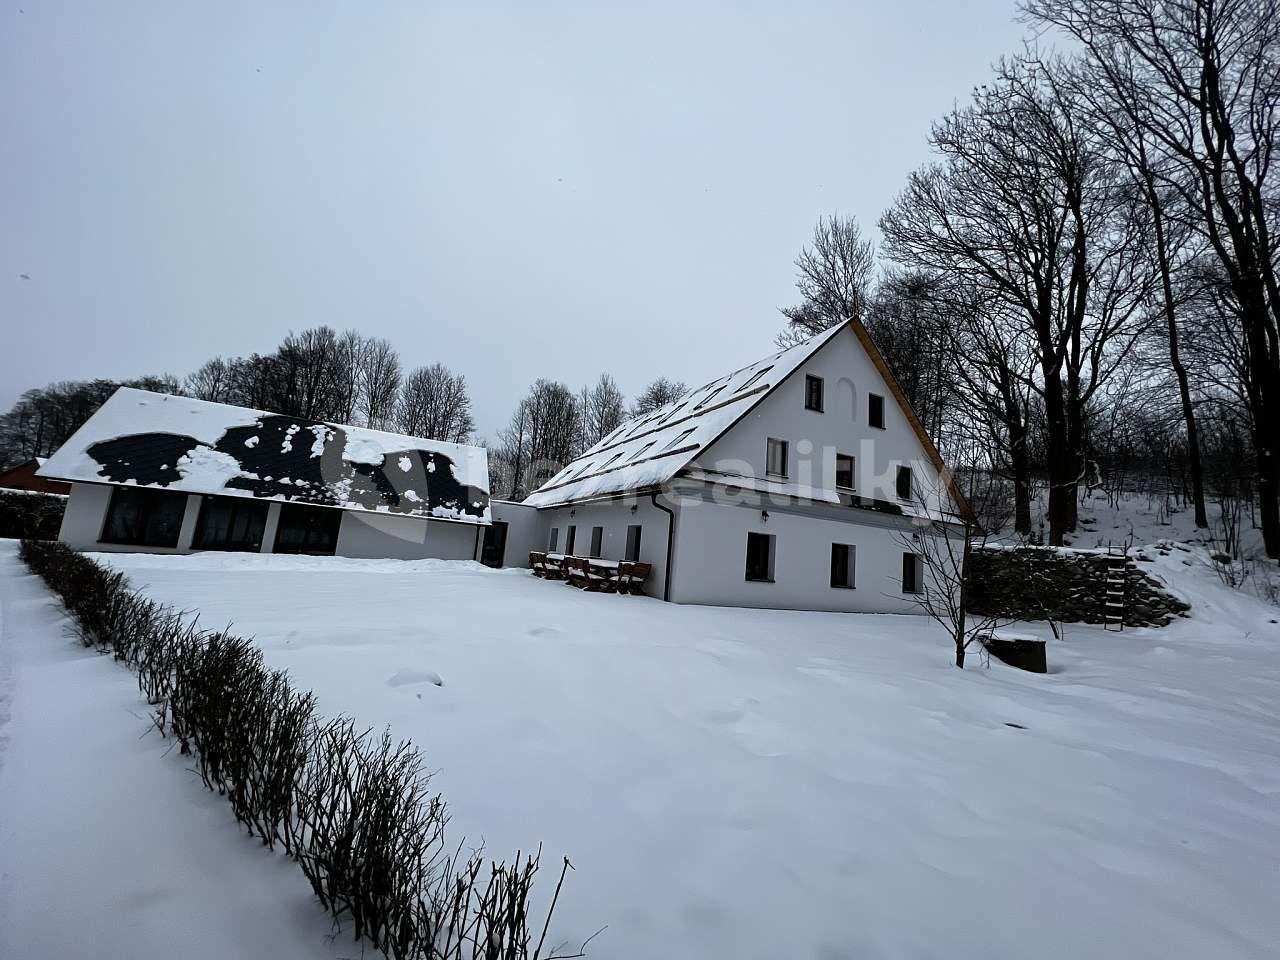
815 409
843 586
756 580
775 476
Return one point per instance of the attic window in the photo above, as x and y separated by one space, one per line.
813 393
755 379
675 442
875 410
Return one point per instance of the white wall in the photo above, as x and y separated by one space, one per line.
526 530
711 550
615 516
815 438
376 535
86 513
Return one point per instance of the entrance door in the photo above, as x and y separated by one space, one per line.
495 544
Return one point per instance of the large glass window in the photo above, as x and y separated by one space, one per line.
144 518
554 541
305 529
760 557
230 523
597 541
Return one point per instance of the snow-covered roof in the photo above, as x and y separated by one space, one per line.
649 450
139 438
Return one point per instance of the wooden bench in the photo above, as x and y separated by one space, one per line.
575 572
553 567
631 577
538 563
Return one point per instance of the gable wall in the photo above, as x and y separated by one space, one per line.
815 438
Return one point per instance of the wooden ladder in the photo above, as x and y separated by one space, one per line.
1115 588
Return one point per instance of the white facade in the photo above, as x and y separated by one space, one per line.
363 535
722 489
797 460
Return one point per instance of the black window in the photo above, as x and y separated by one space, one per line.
597 540
555 539
568 540
305 529
775 463
813 393
633 543
760 557
842 562
904 483
230 523
875 410
844 471
144 518
910 573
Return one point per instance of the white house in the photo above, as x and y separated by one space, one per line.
167 474
798 482
801 481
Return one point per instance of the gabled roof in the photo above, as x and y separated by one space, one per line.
139 438
649 450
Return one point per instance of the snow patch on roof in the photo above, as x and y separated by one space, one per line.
138 438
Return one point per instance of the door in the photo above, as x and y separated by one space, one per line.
495 544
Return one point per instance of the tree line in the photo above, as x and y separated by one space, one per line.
349 378
1081 286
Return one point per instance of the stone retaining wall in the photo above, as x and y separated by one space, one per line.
1040 583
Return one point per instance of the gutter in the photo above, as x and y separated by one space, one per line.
671 523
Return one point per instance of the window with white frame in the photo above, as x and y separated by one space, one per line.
844 471
843 556
760 549
775 457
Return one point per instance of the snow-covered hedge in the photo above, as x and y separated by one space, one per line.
28 514
353 809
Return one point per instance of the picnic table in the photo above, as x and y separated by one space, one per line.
591 573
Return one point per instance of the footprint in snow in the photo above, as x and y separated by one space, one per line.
405 678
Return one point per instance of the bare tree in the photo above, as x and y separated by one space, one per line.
657 394
601 410
1025 205
211 382
832 275
434 404
1208 72
378 378
944 547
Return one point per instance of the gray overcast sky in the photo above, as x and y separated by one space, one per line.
517 190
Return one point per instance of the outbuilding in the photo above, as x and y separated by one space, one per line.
169 474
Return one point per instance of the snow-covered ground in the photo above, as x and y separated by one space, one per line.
741 783
109 848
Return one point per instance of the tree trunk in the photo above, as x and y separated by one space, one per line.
1061 476
963 600
1175 354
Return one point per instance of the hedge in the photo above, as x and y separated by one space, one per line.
353 809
